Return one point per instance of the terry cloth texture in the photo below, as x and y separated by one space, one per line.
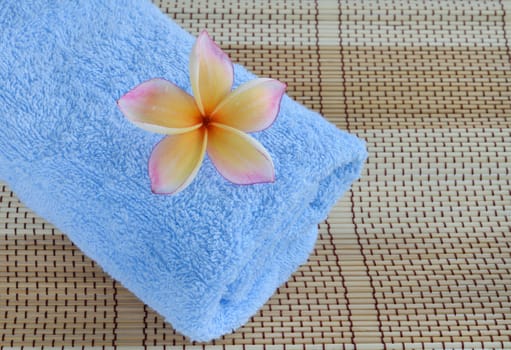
207 258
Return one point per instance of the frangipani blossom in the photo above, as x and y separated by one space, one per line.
215 121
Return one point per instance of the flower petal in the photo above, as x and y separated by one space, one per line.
238 157
251 107
176 160
211 73
159 106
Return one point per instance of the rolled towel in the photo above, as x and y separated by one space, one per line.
206 258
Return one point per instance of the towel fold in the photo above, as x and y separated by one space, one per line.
207 258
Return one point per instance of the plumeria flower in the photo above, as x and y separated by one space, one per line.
215 121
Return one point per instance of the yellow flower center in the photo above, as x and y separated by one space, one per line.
205 121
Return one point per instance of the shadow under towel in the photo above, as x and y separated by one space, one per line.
207 258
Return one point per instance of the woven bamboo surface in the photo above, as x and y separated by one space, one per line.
417 255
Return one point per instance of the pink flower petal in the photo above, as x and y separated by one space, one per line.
159 106
251 107
211 73
176 160
238 157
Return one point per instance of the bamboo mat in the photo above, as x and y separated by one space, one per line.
417 255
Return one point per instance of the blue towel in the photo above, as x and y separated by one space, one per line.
207 258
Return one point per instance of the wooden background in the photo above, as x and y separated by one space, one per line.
417 255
